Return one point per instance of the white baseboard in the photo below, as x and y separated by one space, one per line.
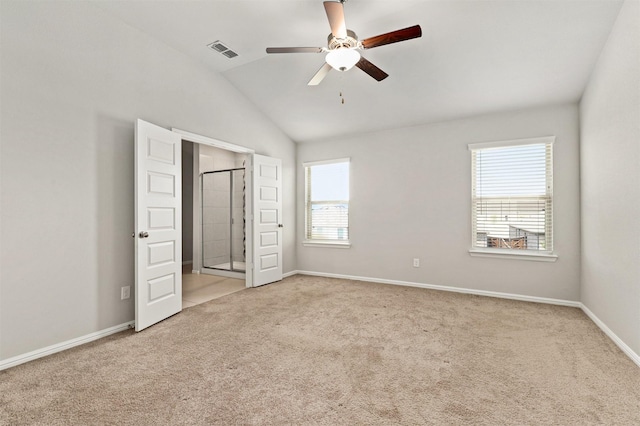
59 347
623 346
499 295
49 350
290 273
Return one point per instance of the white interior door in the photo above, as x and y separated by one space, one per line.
158 224
267 220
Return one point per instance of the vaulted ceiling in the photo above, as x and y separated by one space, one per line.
474 56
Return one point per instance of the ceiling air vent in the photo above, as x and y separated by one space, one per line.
220 47
230 54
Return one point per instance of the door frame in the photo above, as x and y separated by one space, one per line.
197 222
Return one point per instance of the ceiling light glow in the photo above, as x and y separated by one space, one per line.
342 59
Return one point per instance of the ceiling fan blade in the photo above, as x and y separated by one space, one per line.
335 14
371 69
392 37
320 75
295 49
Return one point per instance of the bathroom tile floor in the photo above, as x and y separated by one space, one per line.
200 288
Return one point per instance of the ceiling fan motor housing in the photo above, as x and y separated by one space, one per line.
349 42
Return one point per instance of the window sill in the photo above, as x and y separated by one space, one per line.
326 243
514 254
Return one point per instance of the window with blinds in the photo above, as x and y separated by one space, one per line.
327 200
512 195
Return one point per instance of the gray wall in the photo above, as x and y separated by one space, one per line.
74 79
411 198
610 168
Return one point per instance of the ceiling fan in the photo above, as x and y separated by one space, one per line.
343 45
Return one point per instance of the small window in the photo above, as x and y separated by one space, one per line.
512 195
327 201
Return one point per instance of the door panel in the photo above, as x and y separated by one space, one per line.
161 218
158 224
267 205
269 239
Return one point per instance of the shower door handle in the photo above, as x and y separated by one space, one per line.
143 234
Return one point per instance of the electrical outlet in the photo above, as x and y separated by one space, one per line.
125 292
416 262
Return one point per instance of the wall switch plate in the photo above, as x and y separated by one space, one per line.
416 263
125 292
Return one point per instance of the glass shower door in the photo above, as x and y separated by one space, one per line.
223 224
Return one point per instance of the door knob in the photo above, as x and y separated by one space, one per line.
280 225
143 234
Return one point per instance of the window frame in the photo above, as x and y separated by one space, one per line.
323 242
535 255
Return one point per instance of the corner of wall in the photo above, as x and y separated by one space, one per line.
610 206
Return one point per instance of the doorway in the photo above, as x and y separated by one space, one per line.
158 213
214 218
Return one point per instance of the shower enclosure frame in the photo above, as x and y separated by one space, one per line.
232 270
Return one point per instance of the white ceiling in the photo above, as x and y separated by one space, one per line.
474 57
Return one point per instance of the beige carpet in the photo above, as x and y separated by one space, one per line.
323 351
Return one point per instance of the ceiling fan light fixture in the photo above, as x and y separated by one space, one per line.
343 45
342 59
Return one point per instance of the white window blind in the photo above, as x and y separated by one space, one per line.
512 195
327 200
